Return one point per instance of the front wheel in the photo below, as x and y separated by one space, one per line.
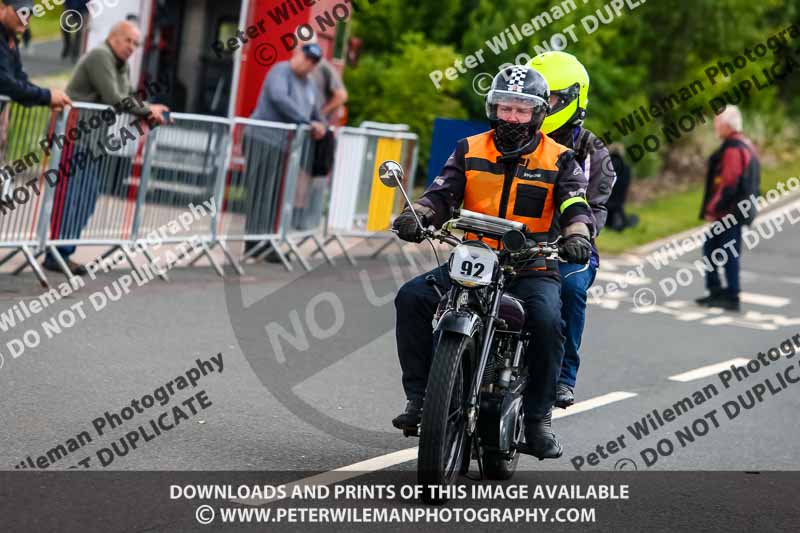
443 435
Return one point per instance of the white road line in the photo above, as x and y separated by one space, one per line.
708 370
344 473
733 321
409 454
621 278
593 403
763 299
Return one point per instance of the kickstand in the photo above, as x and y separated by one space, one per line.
480 461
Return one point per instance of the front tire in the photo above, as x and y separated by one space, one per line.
443 439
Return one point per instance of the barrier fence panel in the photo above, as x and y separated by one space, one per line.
360 206
90 176
94 200
184 162
23 161
254 185
304 201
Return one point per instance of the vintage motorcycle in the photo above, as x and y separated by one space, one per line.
473 399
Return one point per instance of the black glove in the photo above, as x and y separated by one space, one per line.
407 228
576 249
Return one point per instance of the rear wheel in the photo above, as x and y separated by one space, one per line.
443 438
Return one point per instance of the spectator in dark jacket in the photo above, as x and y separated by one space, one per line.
73 39
14 82
735 163
617 219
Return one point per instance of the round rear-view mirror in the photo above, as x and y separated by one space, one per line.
390 173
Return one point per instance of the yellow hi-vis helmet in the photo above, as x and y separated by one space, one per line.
569 88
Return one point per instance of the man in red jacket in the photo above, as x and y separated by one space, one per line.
733 176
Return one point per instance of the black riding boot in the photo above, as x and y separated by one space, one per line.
540 441
409 418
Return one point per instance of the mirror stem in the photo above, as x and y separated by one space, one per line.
408 201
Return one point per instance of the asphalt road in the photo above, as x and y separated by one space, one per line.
43 58
329 403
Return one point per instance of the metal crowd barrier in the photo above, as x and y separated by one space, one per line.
94 201
360 206
304 202
106 179
183 162
259 186
22 165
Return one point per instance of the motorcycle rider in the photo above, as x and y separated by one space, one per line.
569 97
515 172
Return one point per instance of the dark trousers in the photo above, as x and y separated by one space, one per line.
76 199
718 242
72 40
416 303
266 161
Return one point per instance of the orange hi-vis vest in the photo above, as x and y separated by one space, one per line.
528 198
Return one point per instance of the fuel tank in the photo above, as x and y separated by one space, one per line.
512 311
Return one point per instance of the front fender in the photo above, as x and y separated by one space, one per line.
461 322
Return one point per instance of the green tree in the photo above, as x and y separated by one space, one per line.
388 88
638 58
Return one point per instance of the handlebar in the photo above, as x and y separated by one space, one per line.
531 248
441 236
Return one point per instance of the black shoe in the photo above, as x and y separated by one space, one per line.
565 396
631 221
75 268
710 299
273 257
727 302
616 221
409 418
540 441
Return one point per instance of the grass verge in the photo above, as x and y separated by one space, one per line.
47 26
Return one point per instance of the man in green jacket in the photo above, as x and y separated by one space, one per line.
102 77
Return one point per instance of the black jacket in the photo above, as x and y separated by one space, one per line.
592 156
13 81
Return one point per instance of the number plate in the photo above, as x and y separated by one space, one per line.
472 266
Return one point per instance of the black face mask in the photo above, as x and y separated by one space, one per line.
509 137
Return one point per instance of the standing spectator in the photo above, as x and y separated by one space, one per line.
101 77
331 91
14 82
73 40
617 219
733 175
104 77
332 96
287 95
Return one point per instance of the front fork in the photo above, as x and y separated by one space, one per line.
473 404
